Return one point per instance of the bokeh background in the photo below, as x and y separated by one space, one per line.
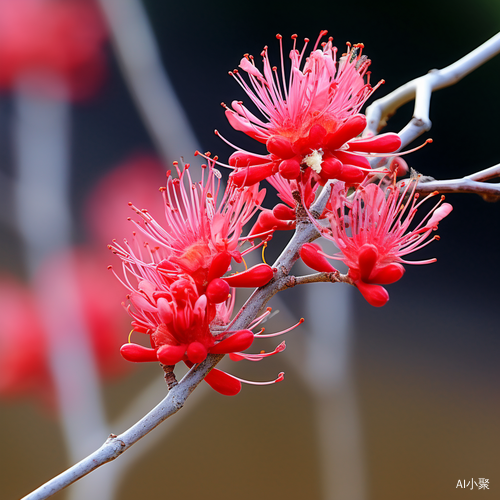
416 406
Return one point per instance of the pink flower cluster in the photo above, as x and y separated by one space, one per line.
176 273
180 293
312 129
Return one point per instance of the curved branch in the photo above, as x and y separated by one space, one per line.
421 90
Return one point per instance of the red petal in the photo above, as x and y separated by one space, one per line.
375 295
256 276
164 310
249 176
138 353
196 352
171 354
280 147
311 257
237 342
388 274
350 129
217 291
367 258
384 143
223 383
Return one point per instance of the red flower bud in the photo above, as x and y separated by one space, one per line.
383 143
311 257
196 352
367 259
290 169
283 212
138 353
171 354
280 146
240 160
256 276
249 176
217 291
239 341
223 383
375 295
388 274
350 129
219 266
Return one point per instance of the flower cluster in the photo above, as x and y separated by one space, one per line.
311 121
176 273
182 296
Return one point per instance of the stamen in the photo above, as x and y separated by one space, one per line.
281 332
246 267
280 378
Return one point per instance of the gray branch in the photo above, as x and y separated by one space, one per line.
421 90
473 183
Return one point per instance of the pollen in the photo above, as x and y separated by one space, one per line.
314 160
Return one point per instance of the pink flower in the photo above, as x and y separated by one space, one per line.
372 232
178 293
202 233
311 121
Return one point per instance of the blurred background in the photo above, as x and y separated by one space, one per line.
398 402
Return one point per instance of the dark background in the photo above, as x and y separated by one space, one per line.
426 365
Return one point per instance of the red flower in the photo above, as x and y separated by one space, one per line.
372 232
178 293
201 236
311 122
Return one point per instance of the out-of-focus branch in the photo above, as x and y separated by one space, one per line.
473 183
421 90
149 84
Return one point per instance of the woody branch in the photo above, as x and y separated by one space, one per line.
420 89
474 183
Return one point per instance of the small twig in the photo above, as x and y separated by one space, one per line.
421 90
169 376
469 184
334 277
